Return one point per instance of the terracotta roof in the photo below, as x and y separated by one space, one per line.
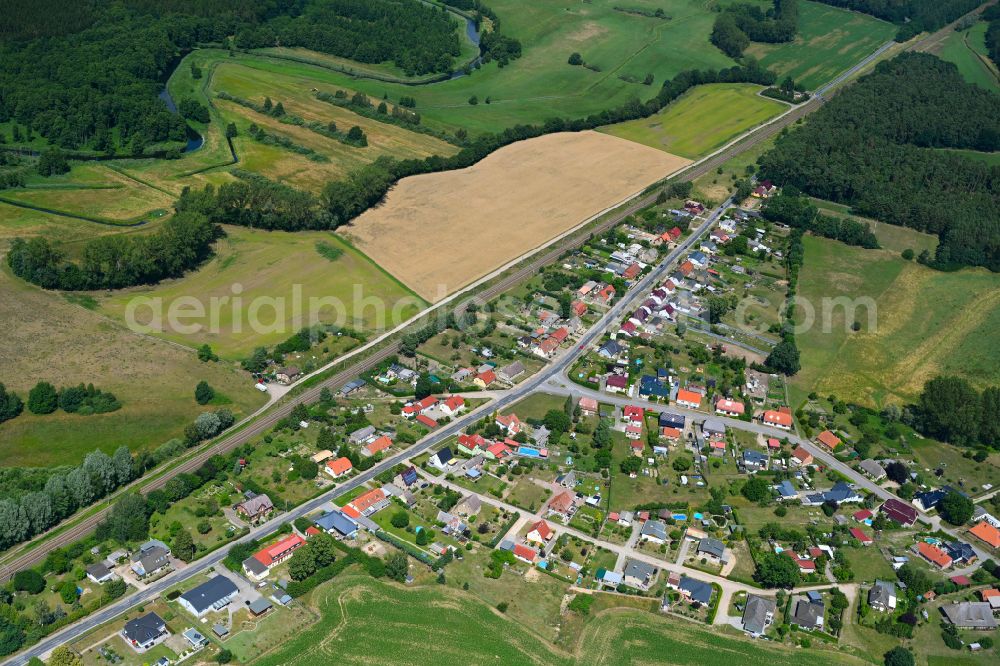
312 530
987 533
802 455
727 405
632 271
523 551
773 443
933 554
369 499
561 502
590 404
777 418
632 413
686 268
268 555
339 466
487 377
380 444
427 421
454 402
828 439
683 395
671 433
542 528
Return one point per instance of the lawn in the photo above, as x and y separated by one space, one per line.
527 494
463 630
283 281
967 50
829 41
66 344
869 565
702 120
915 323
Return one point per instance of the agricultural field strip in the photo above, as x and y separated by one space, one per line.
247 428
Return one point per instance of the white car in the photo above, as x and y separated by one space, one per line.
261 386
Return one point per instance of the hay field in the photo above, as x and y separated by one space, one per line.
440 232
48 338
928 323
460 629
273 270
829 41
702 120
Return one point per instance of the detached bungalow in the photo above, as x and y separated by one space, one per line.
380 444
525 554
339 467
453 405
688 399
540 533
802 457
828 439
729 407
777 419
144 632
902 513
934 555
882 596
859 534
758 614
214 594
987 534
875 471
588 406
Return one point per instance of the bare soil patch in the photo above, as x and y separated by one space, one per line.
440 232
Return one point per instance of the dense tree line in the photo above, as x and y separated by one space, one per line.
951 410
258 202
797 211
912 16
417 38
992 16
871 148
83 400
115 262
739 24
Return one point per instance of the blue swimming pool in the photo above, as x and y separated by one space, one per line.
698 516
528 452
679 516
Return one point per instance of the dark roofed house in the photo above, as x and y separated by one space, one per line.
100 573
899 511
214 594
671 420
144 632
655 531
695 590
256 509
639 574
929 499
872 469
758 614
808 614
970 615
960 552
712 548
155 559
882 596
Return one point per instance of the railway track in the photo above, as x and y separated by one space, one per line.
282 409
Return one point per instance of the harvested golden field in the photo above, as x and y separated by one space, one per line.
440 232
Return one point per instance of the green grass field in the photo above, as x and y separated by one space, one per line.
967 49
395 626
65 344
830 40
927 323
702 120
273 270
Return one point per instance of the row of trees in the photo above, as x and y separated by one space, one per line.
257 202
992 16
797 211
739 24
85 400
951 410
872 147
417 38
113 262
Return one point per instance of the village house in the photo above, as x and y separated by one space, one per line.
713 550
540 533
377 445
525 554
419 406
975 615
588 407
258 565
337 524
808 613
986 533
452 405
511 372
509 423
255 509
152 557
695 590
828 439
339 467
882 596
933 554
801 457
287 375
654 531
100 573
689 399
362 435
899 511
639 574
562 505
758 614
777 419
484 379
365 505
442 459
144 632
874 471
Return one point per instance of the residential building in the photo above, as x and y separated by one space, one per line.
362 435
509 423
525 554
214 594
729 407
777 419
927 500
758 614
987 534
365 505
338 524
808 614
639 574
689 399
899 511
828 439
960 552
151 558
970 615
882 596
442 459
562 504
671 420
339 467
712 549
754 461
377 445
540 532
695 590
287 375
100 573
271 556
801 457
874 470
588 407
145 631
511 372
484 379
933 554
453 405
713 428
255 509
860 535
654 531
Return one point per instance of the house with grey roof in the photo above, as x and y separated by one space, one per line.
144 632
874 470
758 614
882 596
338 524
970 615
362 435
151 561
713 427
509 373
639 574
808 614
713 549
214 594
100 573
653 530
695 590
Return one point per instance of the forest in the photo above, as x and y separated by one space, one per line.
739 24
90 82
992 16
417 38
114 262
912 16
874 148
